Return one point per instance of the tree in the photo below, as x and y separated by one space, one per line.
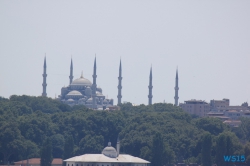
91 144
206 150
46 153
30 150
220 149
158 150
68 147
247 153
11 140
168 154
212 125
224 147
57 145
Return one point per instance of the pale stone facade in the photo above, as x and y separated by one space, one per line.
196 107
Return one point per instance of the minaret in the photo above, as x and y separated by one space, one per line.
94 86
176 89
71 72
119 96
118 146
44 78
150 87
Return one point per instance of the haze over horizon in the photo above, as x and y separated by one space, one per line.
209 41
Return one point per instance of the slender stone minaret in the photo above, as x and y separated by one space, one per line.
176 89
71 72
44 78
118 146
94 86
119 96
150 87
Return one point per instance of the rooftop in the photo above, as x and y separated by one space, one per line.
94 158
194 101
36 161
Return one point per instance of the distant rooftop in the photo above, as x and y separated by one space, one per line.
194 101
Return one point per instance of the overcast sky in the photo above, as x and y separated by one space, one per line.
208 40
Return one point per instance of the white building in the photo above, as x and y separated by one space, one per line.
109 157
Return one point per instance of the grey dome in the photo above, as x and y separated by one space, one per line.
99 89
74 93
81 82
109 151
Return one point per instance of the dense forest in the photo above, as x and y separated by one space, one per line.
161 133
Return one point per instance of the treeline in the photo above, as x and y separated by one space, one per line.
160 133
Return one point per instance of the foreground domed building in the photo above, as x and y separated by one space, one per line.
80 91
109 157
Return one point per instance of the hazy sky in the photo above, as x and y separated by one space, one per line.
208 40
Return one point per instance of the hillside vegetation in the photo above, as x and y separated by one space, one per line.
160 133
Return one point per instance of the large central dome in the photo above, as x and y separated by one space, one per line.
81 82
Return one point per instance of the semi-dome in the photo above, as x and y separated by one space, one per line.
109 151
81 82
90 100
74 93
99 93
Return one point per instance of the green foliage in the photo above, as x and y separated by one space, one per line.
25 122
247 153
226 145
158 150
212 125
46 153
91 144
57 141
206 150
243 131
68 147
11 140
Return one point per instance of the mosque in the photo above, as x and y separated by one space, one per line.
82 91
109 157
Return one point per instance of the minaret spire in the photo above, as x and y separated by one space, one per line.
150 87
44 77
94 86
176 88
119 96
71 72
118 146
